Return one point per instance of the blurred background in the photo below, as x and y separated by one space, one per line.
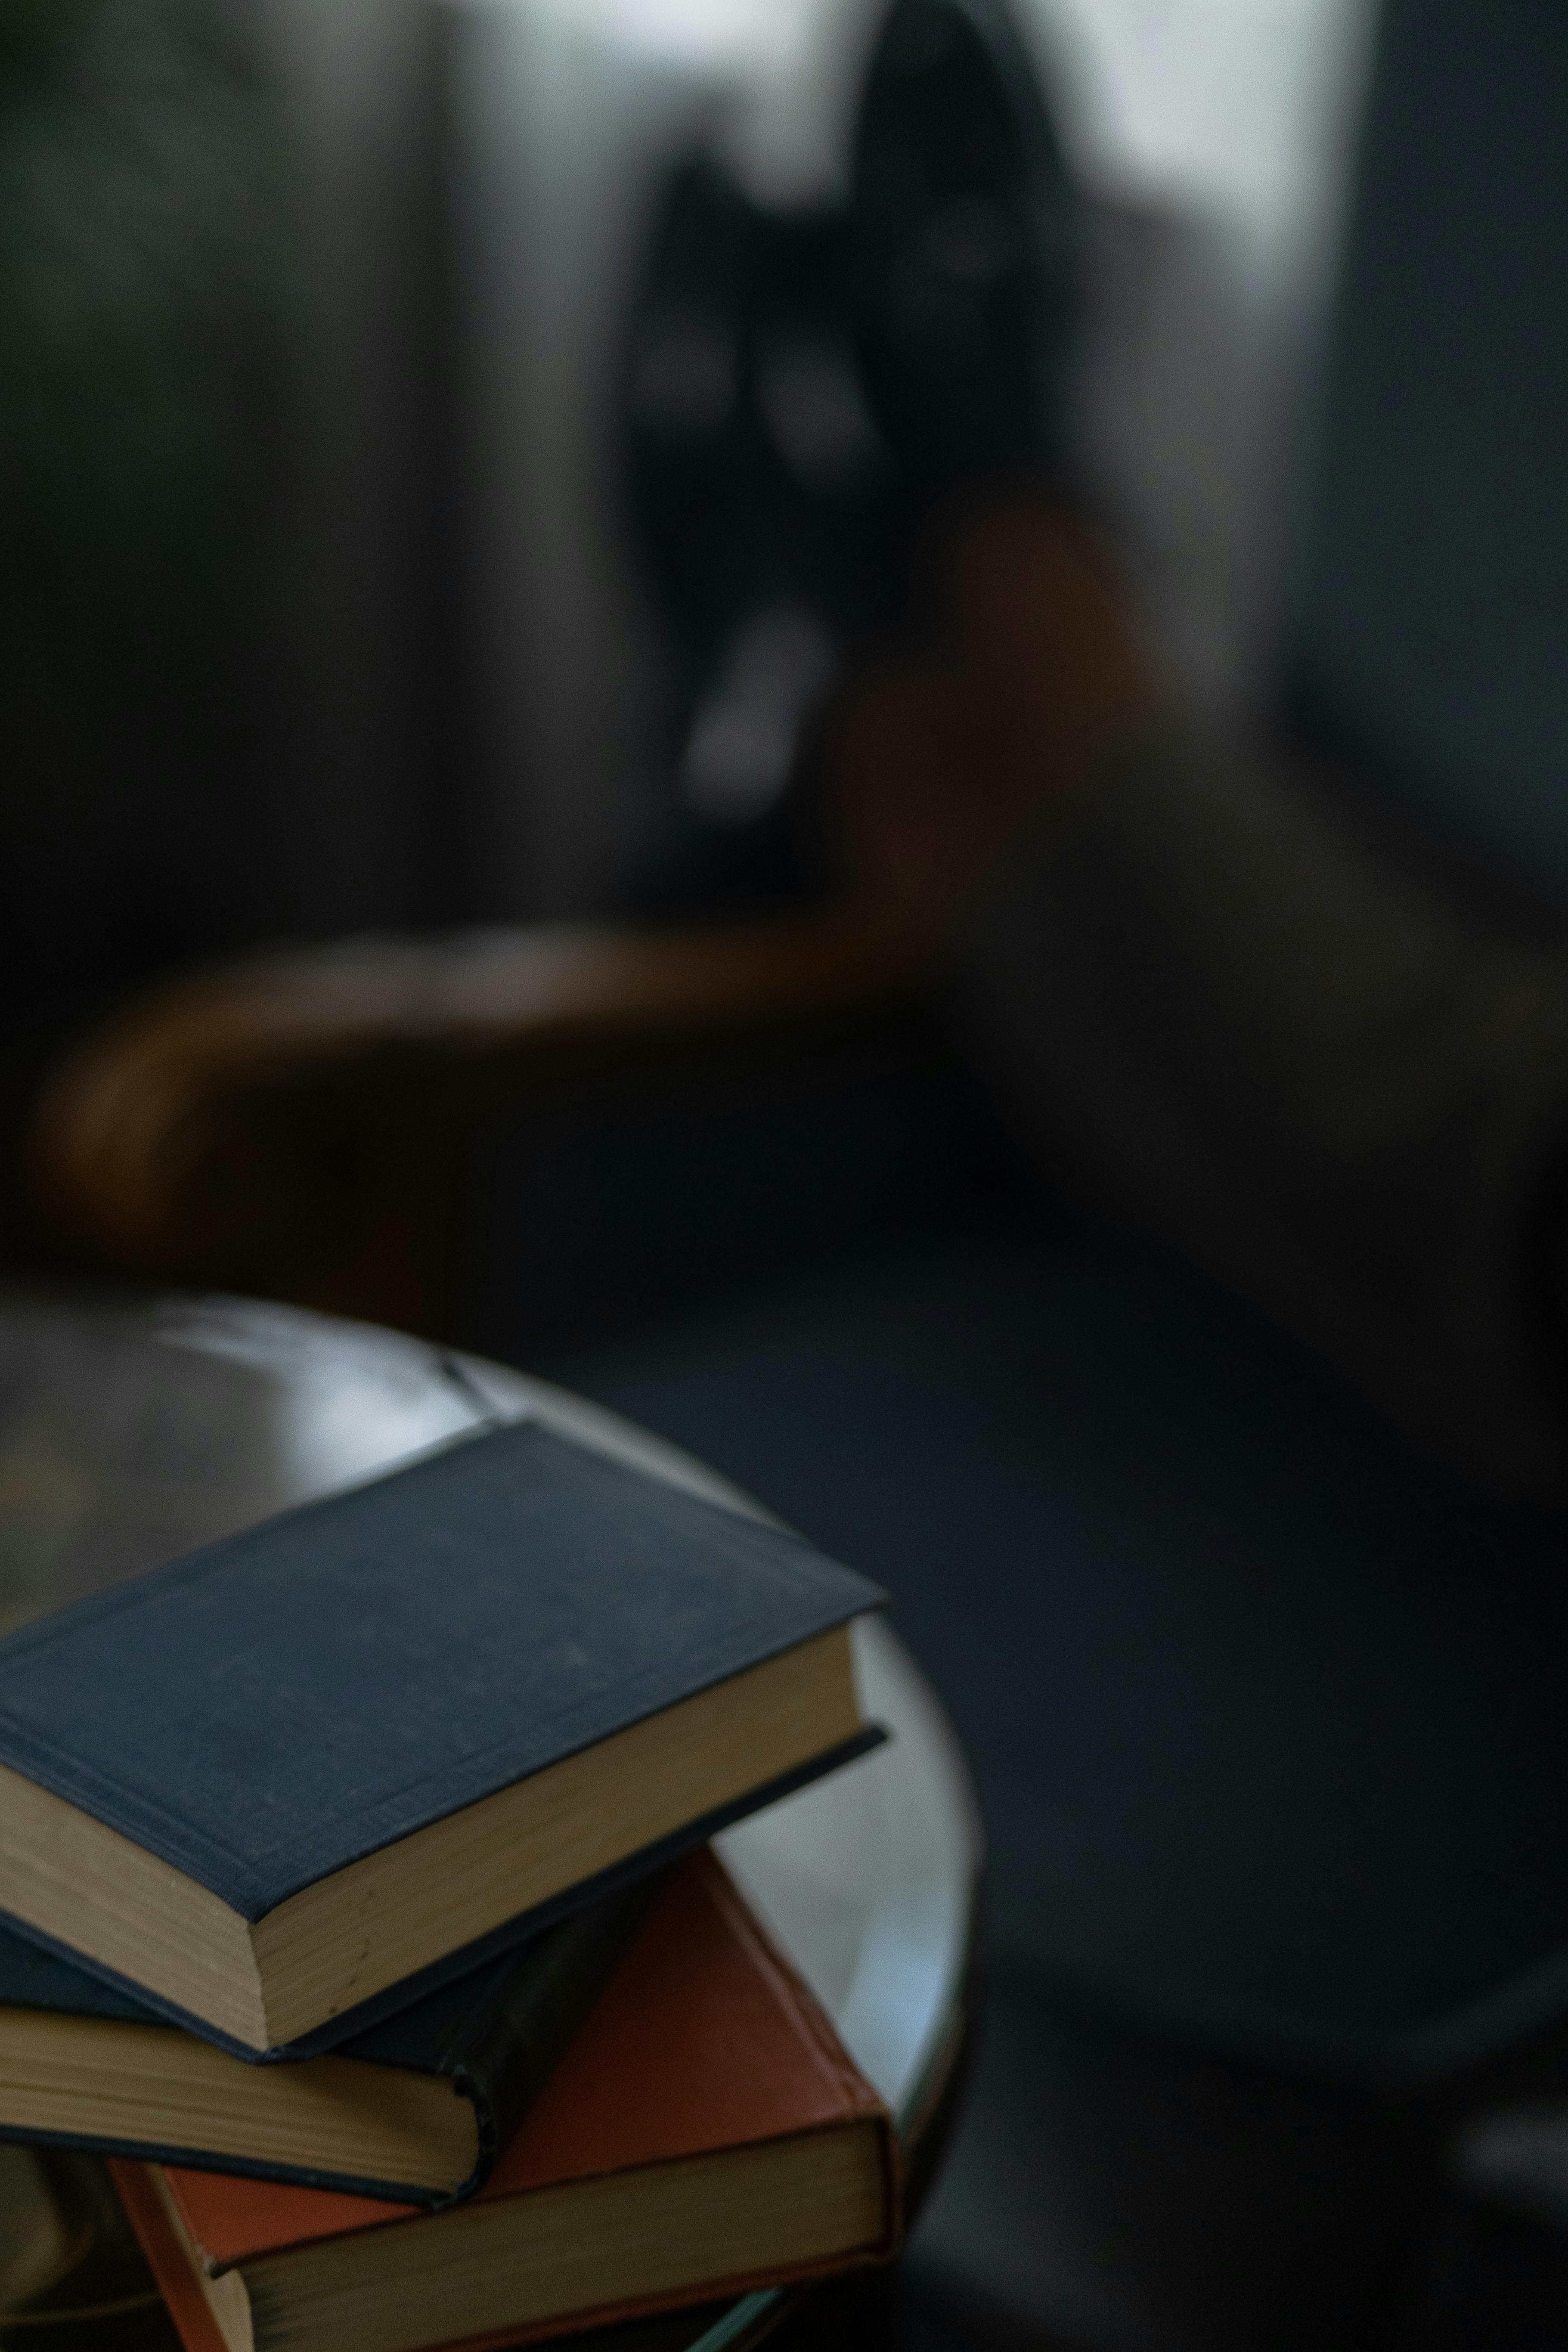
322 616
360 322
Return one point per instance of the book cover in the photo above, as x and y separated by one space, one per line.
435 2091
336 1703
705 2052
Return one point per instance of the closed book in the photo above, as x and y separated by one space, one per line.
417 2107
706 2134
286 1783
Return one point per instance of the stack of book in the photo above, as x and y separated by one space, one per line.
358 1903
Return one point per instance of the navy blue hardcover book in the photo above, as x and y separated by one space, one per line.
283 1785
416 2109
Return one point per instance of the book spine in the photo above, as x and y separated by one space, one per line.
505 2050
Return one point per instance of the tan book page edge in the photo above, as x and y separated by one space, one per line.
100 1894
95 2078
340 1942
696 2227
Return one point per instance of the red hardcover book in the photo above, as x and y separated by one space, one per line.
706 2134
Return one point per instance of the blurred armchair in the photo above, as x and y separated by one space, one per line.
312 1126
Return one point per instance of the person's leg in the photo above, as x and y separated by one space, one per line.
1210 1001
800 392
1003 704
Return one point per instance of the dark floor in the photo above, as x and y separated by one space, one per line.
1267 1727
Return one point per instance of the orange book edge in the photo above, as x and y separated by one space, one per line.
613 2028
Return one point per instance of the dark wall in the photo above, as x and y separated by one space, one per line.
230 626
144 357
1431 621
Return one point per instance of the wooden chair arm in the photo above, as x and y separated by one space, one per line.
250 1126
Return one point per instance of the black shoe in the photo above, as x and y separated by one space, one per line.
761 498
964 248
798 387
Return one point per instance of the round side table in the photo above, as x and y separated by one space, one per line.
132 1432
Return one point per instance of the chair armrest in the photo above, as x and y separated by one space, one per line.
267 1125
